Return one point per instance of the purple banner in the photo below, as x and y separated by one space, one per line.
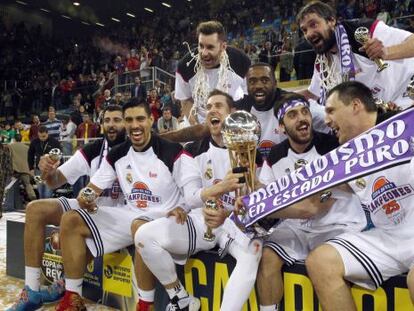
388 144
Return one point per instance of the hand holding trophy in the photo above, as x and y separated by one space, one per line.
45 163
87 197
362 35
241 133
208 235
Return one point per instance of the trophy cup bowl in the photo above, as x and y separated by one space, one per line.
55 154
89 195
241 133
208 235
362 35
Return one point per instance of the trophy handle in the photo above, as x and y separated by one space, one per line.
380 64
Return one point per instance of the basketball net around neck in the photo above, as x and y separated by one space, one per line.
202 83
329 74
334 72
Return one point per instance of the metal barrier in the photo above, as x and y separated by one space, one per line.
123 83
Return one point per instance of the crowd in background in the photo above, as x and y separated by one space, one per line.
76 76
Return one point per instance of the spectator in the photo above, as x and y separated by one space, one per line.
52 124
286 61
268 55
34 127
19 152
67 135
154 104
132 62
5 133
107 98
86 130
117 100
23 130
167 122
38 147
139 90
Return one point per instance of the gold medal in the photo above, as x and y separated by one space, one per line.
129 178
360 183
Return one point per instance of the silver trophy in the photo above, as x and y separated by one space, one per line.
89 195
55 155
208 235
241 133
362 35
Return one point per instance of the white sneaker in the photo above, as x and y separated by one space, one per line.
188 303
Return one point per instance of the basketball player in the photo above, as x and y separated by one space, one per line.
371 257
293 239
263 96
163 242
40 213
215 66
341 58
151 191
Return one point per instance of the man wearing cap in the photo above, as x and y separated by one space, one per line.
293 239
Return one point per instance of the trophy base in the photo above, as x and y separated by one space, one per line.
209 238
382 67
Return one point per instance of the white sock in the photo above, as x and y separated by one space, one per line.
178 291
269 308
32 278
74 285
146 295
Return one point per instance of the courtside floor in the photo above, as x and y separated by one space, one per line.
9 286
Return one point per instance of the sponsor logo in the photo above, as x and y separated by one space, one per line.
141 195
386 194
265 146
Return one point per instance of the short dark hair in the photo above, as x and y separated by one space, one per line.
212 27
43 129
111 108
348 91
324 10
229 99
262 64
137 102
285 98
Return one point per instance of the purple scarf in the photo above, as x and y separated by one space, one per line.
346 60
388 144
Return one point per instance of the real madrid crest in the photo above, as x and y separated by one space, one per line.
129 178
361 183
299 163
208 174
